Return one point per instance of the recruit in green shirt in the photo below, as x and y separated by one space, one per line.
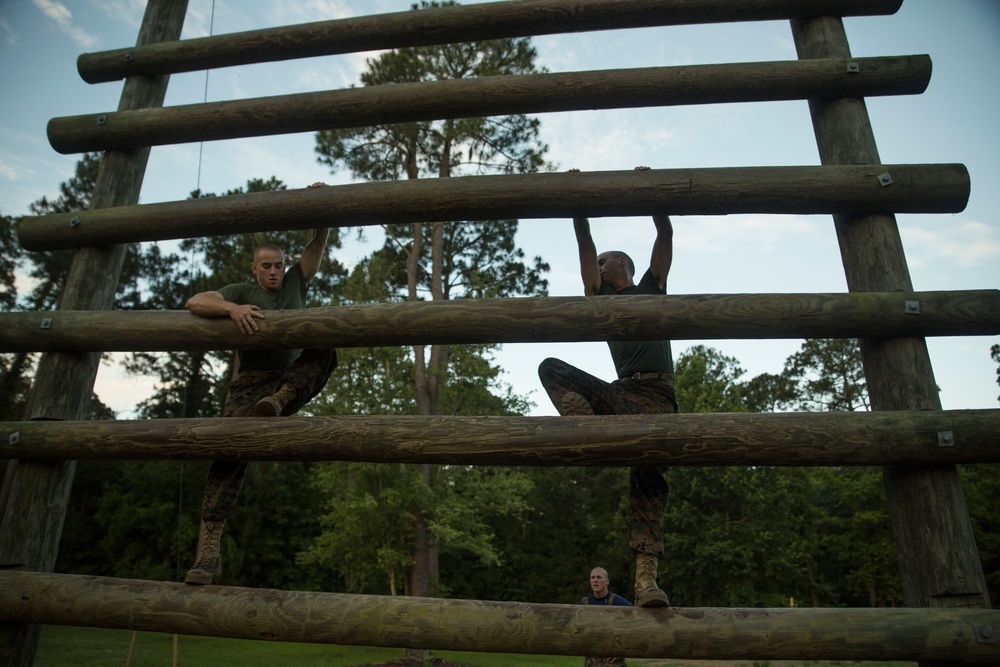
634 356
291 295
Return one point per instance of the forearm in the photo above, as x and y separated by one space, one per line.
663 226
589 270
584 241
663 249
321 235
312 254
209 304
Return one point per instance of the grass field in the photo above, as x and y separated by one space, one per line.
62 646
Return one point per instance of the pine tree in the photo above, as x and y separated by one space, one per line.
445 259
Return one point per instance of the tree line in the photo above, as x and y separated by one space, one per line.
735 536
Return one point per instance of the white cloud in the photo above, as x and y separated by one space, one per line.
967 244
63 18
120 391
128 13
8 172
11 37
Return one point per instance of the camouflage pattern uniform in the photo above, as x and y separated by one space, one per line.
647 488
591 661
308 374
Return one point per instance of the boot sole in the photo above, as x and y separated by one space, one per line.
267 407
652 598
198 578
573 404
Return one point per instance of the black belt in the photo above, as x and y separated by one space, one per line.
649 375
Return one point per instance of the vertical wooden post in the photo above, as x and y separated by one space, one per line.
937 552
36 507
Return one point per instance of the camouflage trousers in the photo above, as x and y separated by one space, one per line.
604 662
308 374
647 488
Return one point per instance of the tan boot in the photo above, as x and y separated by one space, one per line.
209 561
647 593
271 406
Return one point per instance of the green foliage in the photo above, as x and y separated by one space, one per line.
124 519
367 514
981 484
995 355
505 144
854 544
732 536
10 256
273 521
707 381
448 509
828 375
576 522
465 499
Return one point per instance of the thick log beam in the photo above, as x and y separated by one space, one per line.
938 557
949 636
491 96
934 188
33 518
781 439
521 320
495 20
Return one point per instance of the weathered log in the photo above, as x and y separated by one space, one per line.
934 188
36 508
953 636
491 96
521 320
495 20
783 439
938 558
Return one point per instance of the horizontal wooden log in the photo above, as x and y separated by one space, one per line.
779 439
935 188
869 315
444 25
491 96
946 636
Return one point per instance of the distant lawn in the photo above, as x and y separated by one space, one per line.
64 646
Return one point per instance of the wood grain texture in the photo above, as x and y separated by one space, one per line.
930 188
490 96
36 507
782 439
508 627
495 20
519 320
939 561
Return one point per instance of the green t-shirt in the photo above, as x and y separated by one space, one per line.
633 356
291 295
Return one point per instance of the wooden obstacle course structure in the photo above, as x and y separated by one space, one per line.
931 525
521 320
909 438
952 636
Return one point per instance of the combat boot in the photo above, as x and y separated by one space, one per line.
209 561
271 406
647 593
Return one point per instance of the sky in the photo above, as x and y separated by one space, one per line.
953 121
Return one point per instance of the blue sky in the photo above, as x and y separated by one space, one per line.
953 121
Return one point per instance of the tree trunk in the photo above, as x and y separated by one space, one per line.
38 494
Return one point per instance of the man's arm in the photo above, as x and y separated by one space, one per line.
663 250
589 270
663 246
213 304
312 254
